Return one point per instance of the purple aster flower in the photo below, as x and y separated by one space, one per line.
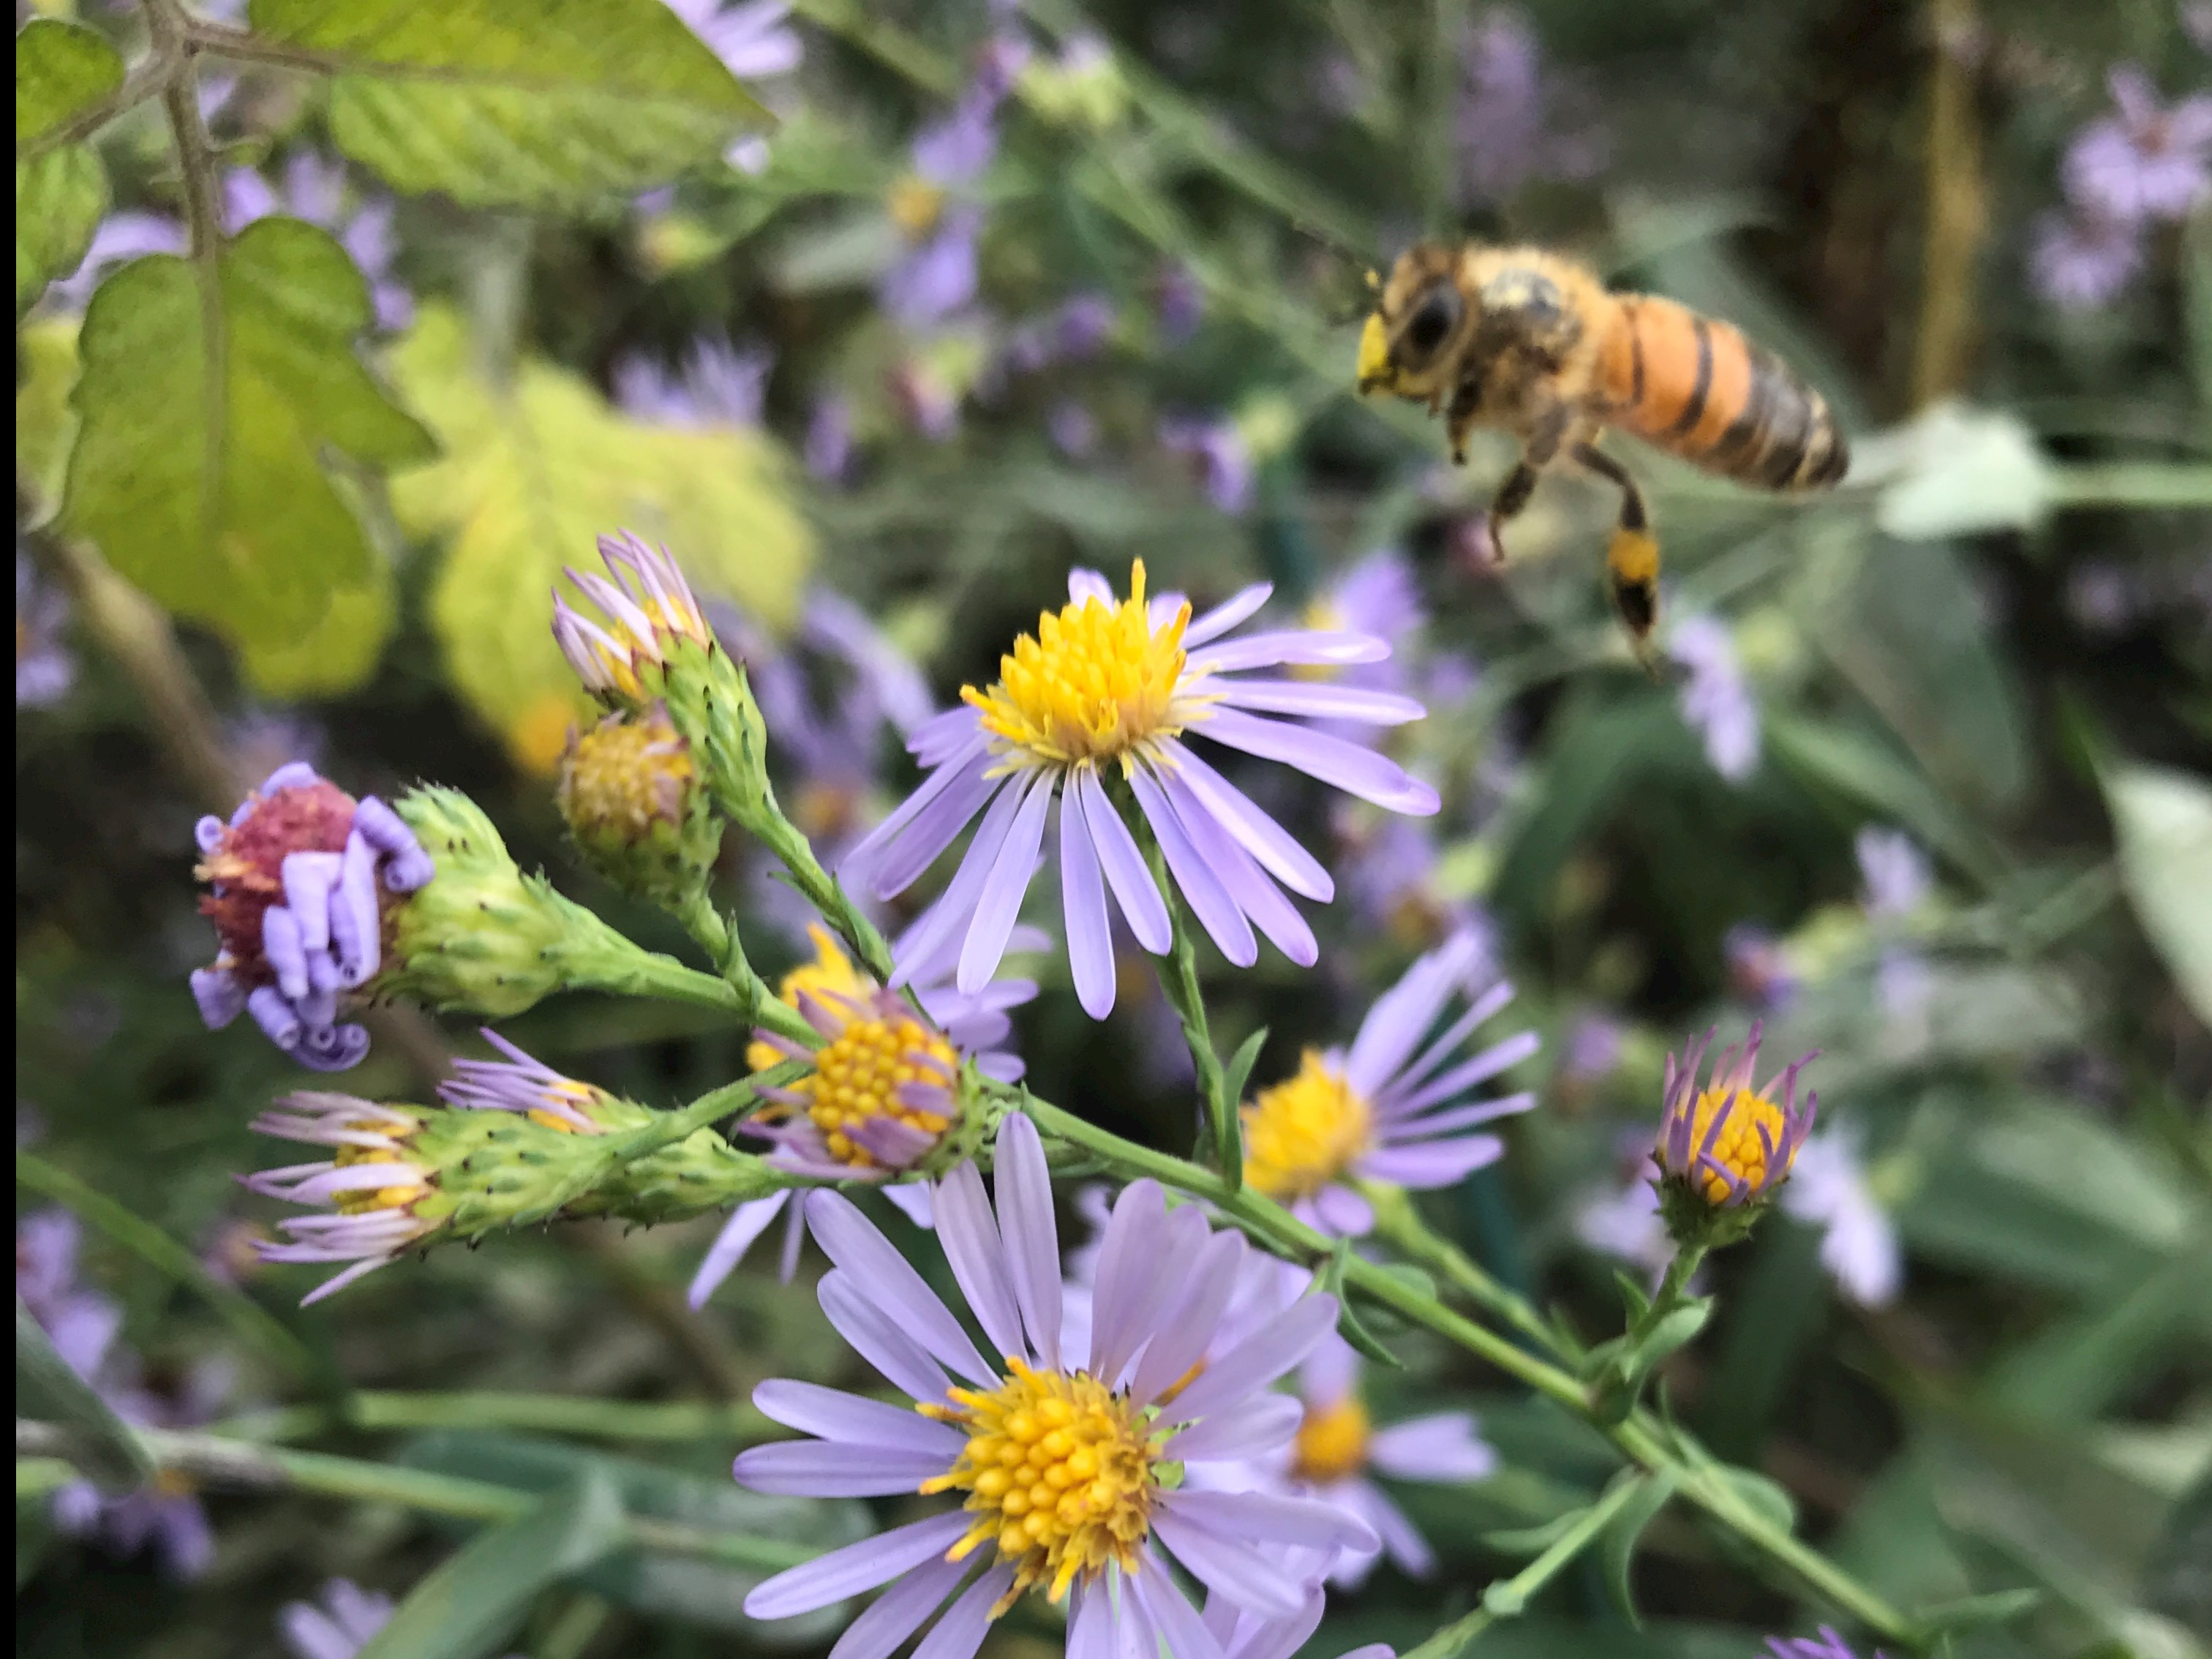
2080 262
45 670
2145 160
1858 1242
1759 967
753 39
1095 1427
1390 1109
936 276
121 237
848 1118
1389 868
366 1192
828 450
1895 870
1218 456
1513 124
1717 703
298 881
650 610
1179 301
1338 1451
1592 1051
314 189
1826 1645
81 1323
718 385
1108 686
1728 1142
1074 430
337 1624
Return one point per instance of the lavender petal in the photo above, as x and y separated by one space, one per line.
1261 1357
746 1223
1346 766
969 1233
1004 888
899 1612
1083 904
835 1469
1125 869
884 1277
879 1339
1030 1239
855 1568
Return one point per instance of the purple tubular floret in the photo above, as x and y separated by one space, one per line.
220 997
356 923
333 1047
280 943
274 1015
207 834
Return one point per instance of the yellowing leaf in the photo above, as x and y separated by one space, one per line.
532 474
46 425
337 653
63 71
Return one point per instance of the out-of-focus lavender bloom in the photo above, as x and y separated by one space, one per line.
1179 301
1622 1220
1717 703
121 237
937 277
1375 595
1827 1645
1592 1049
1217 456
2103 598
1758 968
337 1625
1894 870
1858 1243
314 189
720 385
926 402
259 740
80 1323
2079 262
1512 123
45 670
2146 161
1072 429
828 450
1070 332
1388 866
755 43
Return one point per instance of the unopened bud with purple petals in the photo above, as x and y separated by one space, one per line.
1726 1147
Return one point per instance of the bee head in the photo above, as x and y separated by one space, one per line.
1418 319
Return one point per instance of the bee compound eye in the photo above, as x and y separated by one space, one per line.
1433 320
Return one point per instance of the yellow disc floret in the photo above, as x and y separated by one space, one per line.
359 1200
830 977
625 776
1094 682
1058 1470
856 1079
1304 1132
1332 1442
1737 1148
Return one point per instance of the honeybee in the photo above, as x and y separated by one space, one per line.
1523 340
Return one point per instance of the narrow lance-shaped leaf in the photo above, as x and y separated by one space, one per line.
517 102
209 395
46 1388
2165 823
62 71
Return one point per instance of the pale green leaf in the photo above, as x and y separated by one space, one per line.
472 1603
517 102
59 199
46 425
1617 1546
532 472
2164 819
46 1387
337 653
1955 472
209 396
61 71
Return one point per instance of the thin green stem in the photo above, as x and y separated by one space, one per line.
1179 984
1506 1597
574 1415
757 1006
1398 1220
213 1461
826 894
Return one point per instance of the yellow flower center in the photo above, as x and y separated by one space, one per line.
1058 1471
856 1079
1737 1148
1332 1442
1093 682
579 1096
828 976
622 776
360 1200
631 656
1304 1132
916 205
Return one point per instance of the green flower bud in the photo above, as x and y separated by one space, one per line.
635 808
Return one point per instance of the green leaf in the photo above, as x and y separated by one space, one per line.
209 395
337 654
1768 1500
1617 1546
1955 472
60 197
1239 1070
61 71
473 1602
2178 1581
532 472
1348 1324
537 103
46 425
47 1389
1970 1613
2164 821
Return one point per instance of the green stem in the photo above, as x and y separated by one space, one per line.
1506 1597
1179 984
1398 1220
574 1415
239 1465
826 894
721 942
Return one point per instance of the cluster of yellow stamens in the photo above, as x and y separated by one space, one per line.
856 1079
1737 1148
624 776
1304 1132
1093 682
831 978
1058 1471
359 1200
1332 1442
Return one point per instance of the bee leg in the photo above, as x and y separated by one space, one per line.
1632 557
1459 419
1540 451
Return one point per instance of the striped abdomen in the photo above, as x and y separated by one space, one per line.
1697 388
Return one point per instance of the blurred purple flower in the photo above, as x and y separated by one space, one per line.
1181 301
1513 126
1759 969
1375 595
121 237
752 40
337 1624
2103 597
1389 867
81 1323
1826 1645
829 439
1894 870
1074 431
719 384
2079 262
315 190
45 670
1715 702
1623 1220
1071 332
2144 160
1217 456
1592 1049
1859 1246
936 276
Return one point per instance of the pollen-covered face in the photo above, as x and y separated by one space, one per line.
1413 334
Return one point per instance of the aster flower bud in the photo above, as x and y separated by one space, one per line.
303 882
655 647
1724 1148
485 937
634 808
